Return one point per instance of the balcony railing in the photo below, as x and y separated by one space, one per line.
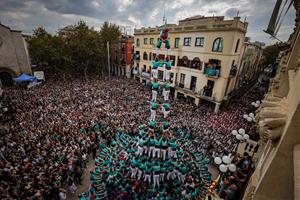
180 86
136 57
208 95
210 72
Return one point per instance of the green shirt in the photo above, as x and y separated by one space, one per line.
166 124
168 65
155 86
166 106
154 106
166 86
155 64
152 124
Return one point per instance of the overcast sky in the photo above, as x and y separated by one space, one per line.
25 15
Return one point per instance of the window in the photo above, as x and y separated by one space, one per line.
151 40
172 58
150 56
182 79
237 46
176 44
138 42
193 83
171 77
199 42
218 45
144 68
145 40
145 56
187 41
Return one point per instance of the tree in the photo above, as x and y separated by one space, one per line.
270 53
85 45
110 33
40 46
81 51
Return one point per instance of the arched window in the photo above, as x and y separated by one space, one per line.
150 56
138 42
218 45
196 63
237 45
145 56
185 61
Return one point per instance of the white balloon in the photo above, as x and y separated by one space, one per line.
251 115
223 168
256 105
239 137
241 131
232 167
246 137
234 132
245 116
226 159
249 119
253 103
218 160
258 102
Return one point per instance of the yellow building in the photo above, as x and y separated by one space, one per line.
206 52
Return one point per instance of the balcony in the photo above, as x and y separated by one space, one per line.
207 94
210 72
136 57
193 64
180 86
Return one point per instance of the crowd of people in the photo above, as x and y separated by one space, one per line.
51 130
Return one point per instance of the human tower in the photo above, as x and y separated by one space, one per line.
159 162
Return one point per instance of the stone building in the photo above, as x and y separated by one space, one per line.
122 57
277 174
250 63
14 58
206 54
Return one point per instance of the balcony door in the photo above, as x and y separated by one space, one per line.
193 83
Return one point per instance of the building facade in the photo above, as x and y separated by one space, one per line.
206 54
122 58
277 173
14 57
251 61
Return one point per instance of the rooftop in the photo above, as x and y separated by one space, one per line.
199 23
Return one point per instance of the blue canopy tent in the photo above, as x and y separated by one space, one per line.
24 78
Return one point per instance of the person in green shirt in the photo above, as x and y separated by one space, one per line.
155 65
155 88
140 170
134 167
156 172
167 72
156 151
164 147
148 170
166 92
173 150
166 109
151 146
153 109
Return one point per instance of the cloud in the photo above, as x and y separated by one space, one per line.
27 14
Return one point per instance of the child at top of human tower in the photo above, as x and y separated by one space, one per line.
163 38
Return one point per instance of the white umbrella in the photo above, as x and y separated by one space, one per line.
218 160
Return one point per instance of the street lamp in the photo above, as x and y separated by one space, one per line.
225 164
